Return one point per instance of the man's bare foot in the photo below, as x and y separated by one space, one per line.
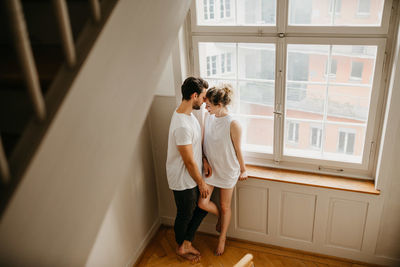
186 248
190 257
218 225
221 246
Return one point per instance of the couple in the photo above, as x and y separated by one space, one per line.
217 153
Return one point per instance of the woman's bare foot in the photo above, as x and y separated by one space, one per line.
221 246
218 225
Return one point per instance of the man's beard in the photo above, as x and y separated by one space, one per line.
196 107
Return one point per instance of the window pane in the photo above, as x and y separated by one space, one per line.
222 58
253 86
257 133
257 98
231 12
314 98
347 13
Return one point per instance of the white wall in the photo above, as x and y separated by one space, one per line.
132 216
388 172
62 201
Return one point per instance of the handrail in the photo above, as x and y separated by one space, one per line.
25 56
4 167
61 11
96 11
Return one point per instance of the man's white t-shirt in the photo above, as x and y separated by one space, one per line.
184 130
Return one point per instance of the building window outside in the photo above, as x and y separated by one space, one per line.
208 66
222 63
214 65
363 7
333 69
346 140
205 9
293 132
356 70
316 137
337 4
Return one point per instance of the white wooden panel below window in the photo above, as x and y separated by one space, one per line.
346 223
297 216
252 209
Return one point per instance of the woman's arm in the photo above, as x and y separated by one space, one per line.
206 166
236 136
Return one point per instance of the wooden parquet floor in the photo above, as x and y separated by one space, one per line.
161 252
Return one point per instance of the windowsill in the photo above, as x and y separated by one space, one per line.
312 179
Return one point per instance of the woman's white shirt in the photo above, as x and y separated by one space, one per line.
220 152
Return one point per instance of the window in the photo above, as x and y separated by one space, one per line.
316 137
332 70
211 10
214 65
335 4
363 7
229 62
208 9
293 132
208 66
301 100
223 63
346 140
356 70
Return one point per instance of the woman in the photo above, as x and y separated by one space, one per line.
221 147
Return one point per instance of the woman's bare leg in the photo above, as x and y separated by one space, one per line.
206 204
226 213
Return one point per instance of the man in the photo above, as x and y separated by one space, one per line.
184 163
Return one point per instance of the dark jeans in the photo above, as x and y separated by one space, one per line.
188 215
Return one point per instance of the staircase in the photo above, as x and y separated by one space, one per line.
42 47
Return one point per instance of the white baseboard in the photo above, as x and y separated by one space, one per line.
150 234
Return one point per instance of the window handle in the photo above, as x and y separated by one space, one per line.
277 112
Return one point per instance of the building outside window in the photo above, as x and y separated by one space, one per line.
316 137
363 7
295 95
346 141
335 4
214 65
293 132
332 70
356 70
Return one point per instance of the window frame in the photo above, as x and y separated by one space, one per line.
300 35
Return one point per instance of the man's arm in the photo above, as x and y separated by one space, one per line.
186 152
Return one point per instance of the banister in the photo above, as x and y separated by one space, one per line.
25 55
95 8
4 167
61 11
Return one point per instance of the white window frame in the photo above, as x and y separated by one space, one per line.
300 35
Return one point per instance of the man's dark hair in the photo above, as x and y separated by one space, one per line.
192 85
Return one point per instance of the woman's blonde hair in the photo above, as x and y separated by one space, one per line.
220 94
